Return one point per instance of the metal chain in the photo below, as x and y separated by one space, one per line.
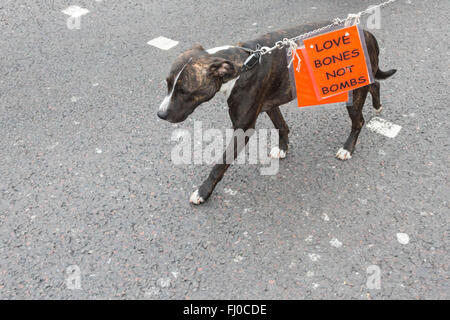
337 21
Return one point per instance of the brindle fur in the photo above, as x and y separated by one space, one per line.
263 89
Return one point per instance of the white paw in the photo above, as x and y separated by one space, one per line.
378 112
343 154
277 153
195 198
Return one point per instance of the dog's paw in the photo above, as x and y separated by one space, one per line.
378 111
277 153
195 198
343 154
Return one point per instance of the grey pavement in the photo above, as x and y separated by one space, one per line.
86 177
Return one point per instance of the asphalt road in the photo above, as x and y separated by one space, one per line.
86 177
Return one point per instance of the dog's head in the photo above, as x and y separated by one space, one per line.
194 78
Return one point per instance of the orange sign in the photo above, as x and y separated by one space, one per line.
306 95
337 61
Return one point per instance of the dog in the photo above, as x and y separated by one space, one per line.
198 74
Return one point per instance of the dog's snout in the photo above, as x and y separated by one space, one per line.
162 114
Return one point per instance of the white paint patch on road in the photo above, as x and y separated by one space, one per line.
325 217
229 191
335 243
314 256
75 11
163 43
384 127
98 150
403 238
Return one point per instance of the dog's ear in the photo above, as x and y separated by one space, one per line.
220 68
197 46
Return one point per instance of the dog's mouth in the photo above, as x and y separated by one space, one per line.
172 119
176 120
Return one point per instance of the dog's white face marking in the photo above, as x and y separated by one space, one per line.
343 154
277 153
227 87
215 50
165 104
195 198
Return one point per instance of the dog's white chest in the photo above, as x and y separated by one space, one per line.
228 87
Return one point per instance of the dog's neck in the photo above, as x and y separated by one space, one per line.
237 56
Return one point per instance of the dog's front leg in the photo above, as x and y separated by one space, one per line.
240 138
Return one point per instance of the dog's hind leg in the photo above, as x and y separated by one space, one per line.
280 124
355 112
374 90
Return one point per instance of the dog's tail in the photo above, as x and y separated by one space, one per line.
381 75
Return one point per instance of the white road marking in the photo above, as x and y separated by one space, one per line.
75 11
403 238
314 256
335 243
384 127
163 43
230 191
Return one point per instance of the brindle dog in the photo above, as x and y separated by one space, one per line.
198 74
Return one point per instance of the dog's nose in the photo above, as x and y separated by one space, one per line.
162 114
